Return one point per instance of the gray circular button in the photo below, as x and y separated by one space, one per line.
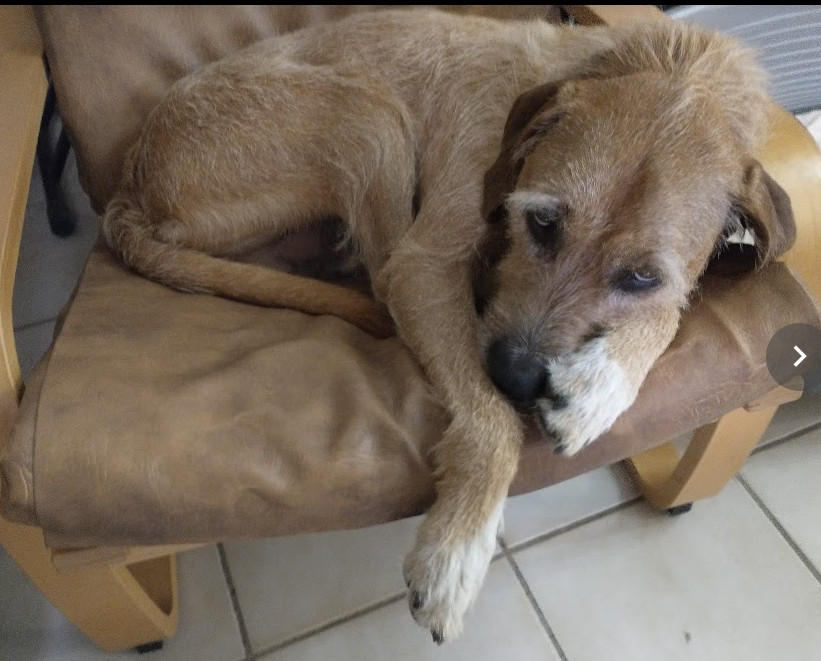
794 357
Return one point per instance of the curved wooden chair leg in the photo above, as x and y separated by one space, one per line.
715 454
116 606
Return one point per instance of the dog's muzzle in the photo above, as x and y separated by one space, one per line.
518 374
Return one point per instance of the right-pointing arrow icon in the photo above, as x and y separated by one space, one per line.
805 340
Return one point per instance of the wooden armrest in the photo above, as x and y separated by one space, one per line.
23 84
18 31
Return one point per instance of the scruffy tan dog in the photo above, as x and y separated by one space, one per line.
534 204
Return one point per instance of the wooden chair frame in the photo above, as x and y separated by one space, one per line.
127 597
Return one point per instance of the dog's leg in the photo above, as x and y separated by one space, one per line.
476 461
428 287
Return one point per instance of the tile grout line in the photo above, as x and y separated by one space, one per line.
329 625
784 439
816 573
360 612
532 599
232 591
505 553
521 546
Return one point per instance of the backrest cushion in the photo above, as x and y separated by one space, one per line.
111 63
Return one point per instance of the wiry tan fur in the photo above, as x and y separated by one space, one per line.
638 141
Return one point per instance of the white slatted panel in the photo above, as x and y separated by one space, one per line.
788 37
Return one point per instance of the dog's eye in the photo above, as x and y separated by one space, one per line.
544 225
638 281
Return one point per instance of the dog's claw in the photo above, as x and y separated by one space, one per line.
559 402
559 448
418 601
437 636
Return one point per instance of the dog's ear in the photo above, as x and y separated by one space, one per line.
763 213
529 116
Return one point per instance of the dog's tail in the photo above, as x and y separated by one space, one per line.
131 236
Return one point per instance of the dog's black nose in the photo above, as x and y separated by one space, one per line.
519 375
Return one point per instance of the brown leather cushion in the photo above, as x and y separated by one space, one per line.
167 417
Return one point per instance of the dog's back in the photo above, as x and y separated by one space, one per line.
322 122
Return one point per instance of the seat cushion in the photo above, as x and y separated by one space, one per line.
163 417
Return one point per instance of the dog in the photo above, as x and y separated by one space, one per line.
534 205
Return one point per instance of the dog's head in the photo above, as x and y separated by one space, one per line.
613 192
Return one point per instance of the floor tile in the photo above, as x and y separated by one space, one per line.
32 629
786 479
287 586
32 342
501 625
717 584
48 266
546 510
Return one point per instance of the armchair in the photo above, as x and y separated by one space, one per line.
134 440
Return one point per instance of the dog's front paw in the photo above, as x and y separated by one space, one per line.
590 391
443 580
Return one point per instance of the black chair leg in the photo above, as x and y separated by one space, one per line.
51 162
147 648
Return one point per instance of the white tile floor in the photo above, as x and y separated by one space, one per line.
588 572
